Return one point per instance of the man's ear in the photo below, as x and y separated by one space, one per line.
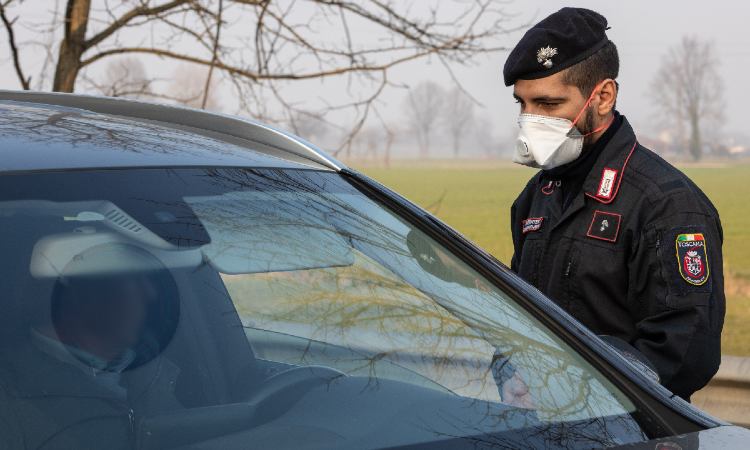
607 97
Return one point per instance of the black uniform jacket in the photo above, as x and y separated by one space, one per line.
636 255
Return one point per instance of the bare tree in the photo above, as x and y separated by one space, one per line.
188 87
424 105
22 78
689 91
458 116
484 139
124 77
375 141
390 136
262 47
312 127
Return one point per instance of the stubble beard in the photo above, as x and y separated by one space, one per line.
588 127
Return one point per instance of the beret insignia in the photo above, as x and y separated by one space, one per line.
544 56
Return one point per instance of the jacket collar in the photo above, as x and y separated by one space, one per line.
603 181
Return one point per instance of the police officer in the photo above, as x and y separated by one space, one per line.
611 232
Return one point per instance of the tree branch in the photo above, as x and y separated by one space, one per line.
25 82
214 57
138 11
451 44
296 40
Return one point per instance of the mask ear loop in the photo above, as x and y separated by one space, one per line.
585 107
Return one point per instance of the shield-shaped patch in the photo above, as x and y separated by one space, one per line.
692 259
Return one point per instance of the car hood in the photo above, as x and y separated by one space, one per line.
724 437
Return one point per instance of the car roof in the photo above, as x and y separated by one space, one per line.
54 131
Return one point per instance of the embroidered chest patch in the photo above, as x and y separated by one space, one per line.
605 226
531 224
692 259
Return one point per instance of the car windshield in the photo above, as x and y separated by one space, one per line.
159 308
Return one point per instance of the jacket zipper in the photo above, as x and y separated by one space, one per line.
567 268
658 245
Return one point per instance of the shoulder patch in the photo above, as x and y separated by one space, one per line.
604 226
692 258
531 224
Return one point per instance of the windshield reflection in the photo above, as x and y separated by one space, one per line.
259 296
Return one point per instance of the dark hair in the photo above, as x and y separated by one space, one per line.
585 75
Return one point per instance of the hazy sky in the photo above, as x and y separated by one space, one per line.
642 29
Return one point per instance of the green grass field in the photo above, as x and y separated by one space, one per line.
475 198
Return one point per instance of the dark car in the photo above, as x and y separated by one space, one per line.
173 278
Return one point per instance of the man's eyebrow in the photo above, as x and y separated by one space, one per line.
548 99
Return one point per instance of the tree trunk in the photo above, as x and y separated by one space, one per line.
72 46
696 146
424 148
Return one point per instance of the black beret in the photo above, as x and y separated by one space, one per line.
562 39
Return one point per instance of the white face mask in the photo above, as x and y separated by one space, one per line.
547 142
